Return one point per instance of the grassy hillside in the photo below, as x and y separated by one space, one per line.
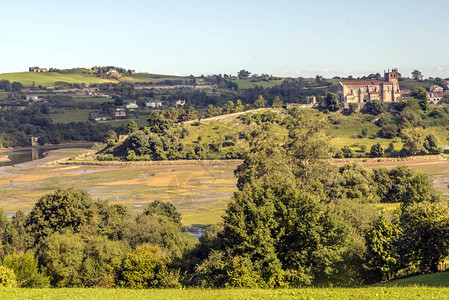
149 78
197 294
247 83
49 78
436 279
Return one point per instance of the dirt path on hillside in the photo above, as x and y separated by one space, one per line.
226 116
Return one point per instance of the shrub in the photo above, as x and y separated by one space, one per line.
377 150
146 267
25 267
62 255
7 277
388 131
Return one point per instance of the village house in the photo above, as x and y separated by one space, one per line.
153 104
37 70
132 72
201 81
434 98
32 97
445 84
308 80
120 113
98 119
405 93
131 105
112 71
436 88
361 92
95 68
180 103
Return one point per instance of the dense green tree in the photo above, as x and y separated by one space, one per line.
277 102
243 73
26 269
228 107
356 183
331 101
431 144
413 139
260 102
377 150
424 235
146 267
110 137
159 231
65 209
239 107
212 111
158 124
101 261
139 143
364 132
165 209
417 75
7 277
375 107
62 256
388 131
420 94
131 127
381 256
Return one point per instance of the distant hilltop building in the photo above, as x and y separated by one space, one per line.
37 69
361 92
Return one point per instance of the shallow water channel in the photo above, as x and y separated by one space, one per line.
21 156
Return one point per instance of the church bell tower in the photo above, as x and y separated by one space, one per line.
391 76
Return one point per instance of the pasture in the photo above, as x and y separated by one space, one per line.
392 293
49 78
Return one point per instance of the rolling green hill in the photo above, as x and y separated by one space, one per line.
79 75
50 78
440 279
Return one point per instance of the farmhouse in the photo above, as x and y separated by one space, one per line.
434 98
153 104
37 69
120 113
180 102
131 105
112 71
436 88
361 92
32 97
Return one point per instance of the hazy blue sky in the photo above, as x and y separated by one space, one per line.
286 38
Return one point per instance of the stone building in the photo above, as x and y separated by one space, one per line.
361 92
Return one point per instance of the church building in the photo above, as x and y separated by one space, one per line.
361 92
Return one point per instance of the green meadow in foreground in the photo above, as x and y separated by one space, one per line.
431 286
198 294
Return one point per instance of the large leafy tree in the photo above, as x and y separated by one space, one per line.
381 256
425 235
65 209
277 229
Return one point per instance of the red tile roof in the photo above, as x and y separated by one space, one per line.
368 82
